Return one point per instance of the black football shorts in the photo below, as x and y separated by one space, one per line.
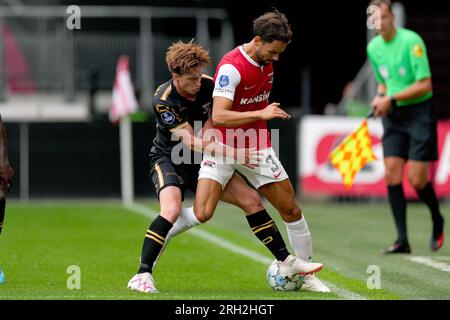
165 173
410 132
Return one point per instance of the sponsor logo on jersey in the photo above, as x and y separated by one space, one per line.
249 87
168 117
259 98
224 81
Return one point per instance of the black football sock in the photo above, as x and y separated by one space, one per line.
153 243
428 196
397 201
2 213
266 230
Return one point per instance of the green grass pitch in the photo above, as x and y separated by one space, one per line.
218 260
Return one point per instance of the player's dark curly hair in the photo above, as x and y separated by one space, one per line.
272 25
181 57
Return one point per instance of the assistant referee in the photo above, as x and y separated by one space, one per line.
405 101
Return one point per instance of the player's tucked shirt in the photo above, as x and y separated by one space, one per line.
172 111
248 85
400 62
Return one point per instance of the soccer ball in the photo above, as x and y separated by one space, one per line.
283 283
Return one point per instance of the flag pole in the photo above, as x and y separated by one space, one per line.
124 103
370 115
126 161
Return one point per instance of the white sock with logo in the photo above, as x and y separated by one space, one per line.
300 238
186 220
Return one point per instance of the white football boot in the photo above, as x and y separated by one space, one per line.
142 282
293 265
313 284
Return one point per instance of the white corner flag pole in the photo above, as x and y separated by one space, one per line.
126 161
124 103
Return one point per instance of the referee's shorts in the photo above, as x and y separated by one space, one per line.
410 132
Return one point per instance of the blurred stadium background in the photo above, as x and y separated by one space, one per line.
56 90
55 83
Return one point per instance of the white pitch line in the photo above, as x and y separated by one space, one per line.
149 213
427 261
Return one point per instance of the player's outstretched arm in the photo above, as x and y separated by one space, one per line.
222 114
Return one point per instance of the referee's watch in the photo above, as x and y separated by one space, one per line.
393 101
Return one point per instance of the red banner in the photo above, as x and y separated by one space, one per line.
320 134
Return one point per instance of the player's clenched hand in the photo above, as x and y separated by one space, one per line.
248 157
273 111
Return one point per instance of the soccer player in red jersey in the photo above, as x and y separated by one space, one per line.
180 105
241 109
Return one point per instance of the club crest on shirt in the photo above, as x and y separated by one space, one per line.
168 117
224 81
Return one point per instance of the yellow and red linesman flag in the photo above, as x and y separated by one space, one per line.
353 153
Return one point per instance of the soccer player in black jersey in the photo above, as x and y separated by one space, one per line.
180 105
6 175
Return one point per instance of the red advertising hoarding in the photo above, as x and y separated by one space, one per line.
320 134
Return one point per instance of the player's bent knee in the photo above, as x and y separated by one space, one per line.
170 214
255 207
291 214
417 182
251 204
202 213
203 216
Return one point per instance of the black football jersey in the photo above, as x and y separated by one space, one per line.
172 111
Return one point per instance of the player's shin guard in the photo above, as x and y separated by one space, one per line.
153 243
300 238
2 212
185 221
266 230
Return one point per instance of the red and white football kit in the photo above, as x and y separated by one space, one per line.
240 79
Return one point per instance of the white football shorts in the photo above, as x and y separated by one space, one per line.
269 169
